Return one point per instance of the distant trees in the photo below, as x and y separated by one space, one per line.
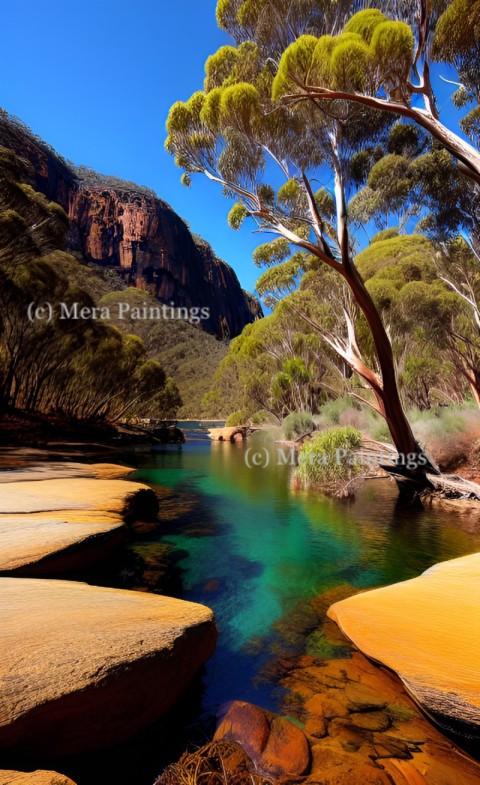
82 369
280 364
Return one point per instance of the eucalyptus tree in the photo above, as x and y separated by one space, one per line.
237 133
388 51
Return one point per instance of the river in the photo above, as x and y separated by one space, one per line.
256 551
254 548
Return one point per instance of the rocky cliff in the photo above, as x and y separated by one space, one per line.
128 228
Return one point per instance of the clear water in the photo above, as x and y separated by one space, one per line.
252 548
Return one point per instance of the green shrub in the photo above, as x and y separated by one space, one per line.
262 416
330 412
326 460
380 431
297 424
240 417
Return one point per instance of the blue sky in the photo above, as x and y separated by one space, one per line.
96 79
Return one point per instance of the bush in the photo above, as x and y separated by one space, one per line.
297 424
326 460
262 416
240 417
331 412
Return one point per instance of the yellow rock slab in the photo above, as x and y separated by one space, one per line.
33 778
65 470
84 667
58 517
428 631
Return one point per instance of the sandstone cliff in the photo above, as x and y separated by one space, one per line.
128 228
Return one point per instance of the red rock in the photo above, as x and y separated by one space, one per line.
275 745
287 750
248 725
129 228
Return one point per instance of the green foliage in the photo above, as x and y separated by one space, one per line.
331 411
365 22
392 48
237 215
457 30
297 424
239 106
219 66
326 460
282 277
405 139
240 417
294 65
386 234
470 125
289 193
349 64
271 253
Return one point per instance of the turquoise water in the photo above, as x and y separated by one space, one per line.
253 549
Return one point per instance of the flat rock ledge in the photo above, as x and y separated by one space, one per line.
55 518
428 631
33 778
83 667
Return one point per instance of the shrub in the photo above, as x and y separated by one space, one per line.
330 412
262 416
240 417
297 424
326 461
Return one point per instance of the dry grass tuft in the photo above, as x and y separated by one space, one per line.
218 763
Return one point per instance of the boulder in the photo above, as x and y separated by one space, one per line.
61 517
33 778
83 667
276 746
427 631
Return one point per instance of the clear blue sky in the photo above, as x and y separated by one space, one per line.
96 78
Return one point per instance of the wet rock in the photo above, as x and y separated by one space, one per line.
327 706
276 746
373 721
365 729
426 630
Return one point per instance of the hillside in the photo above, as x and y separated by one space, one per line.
127 228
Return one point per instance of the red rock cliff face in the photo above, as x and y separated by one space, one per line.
139 235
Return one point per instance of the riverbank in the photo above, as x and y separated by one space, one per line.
107 662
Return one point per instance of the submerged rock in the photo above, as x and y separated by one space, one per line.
83 667
426 630
61 517
364 729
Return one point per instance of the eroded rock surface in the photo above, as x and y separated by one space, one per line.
83 667
60 517
428 631
33 778
363 728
